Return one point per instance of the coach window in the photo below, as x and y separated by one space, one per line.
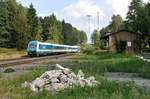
40 46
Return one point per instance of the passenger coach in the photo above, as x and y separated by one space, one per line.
41 48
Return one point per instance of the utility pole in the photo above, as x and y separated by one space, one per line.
98 21
89 18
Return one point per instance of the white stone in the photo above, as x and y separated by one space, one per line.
63 78
57 86
25 84
66 71
51 74
37 84
48 87
91 78
80 73
33 88
82 82
72 75
88 82
59 67
54 80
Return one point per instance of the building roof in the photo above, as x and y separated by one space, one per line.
110 33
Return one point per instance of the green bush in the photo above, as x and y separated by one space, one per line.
9 70
87 52
120 46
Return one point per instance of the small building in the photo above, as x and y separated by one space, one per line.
130 40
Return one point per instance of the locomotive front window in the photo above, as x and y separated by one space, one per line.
32 45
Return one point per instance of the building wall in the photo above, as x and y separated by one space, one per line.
125 36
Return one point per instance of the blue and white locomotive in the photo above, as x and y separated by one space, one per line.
41 48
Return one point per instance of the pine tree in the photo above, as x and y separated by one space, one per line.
4 25
34 24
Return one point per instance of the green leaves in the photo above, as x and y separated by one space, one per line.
95 38
19 25
33 24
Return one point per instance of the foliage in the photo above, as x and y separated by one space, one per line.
72 36
88 51
132 14
95 39
137 20
33 24
9 70
4 25
120 46
51 31
116 23
19 25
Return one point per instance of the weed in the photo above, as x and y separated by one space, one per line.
0 74
9 70
6 53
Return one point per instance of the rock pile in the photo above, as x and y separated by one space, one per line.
60 79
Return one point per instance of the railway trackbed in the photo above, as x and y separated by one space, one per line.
14 62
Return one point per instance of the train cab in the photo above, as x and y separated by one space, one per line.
32 48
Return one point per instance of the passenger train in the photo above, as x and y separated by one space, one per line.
36 48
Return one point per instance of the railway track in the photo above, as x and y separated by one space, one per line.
20 61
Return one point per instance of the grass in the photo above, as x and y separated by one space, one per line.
6 53
11 88
92 65
114 63
0 74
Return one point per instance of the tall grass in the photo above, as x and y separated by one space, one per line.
114 63
11 89
0 74
6 53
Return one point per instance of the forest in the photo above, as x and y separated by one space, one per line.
19 25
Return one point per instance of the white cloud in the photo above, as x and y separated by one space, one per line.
121 6
77 13
81 9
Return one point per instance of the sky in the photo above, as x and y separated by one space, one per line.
76 11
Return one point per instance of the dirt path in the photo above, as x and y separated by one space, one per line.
120 76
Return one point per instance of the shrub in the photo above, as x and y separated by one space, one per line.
88 51
120 46
9 70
